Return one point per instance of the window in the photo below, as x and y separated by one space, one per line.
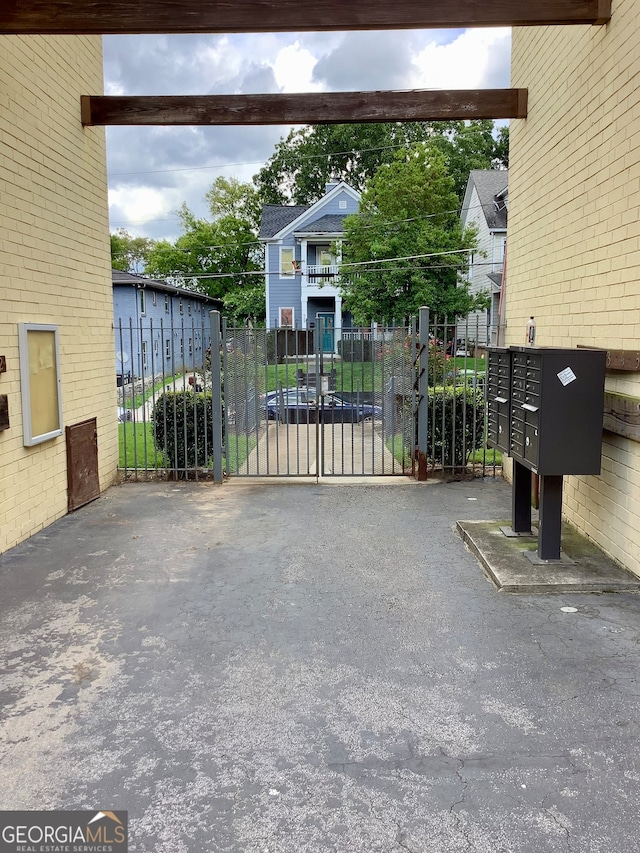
342 204
190 346
181 347
167 347
154 297
156 347
286 262
181 306
325 258
166 303
286 318
144 355
142 301
189 308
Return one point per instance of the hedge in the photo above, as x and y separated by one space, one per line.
183 428
456 424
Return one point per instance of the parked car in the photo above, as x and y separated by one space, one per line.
302 406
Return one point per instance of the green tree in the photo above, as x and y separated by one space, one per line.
408 211
308 157
220 257
128 253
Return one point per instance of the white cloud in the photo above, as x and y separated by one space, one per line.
293 68
138 205
465 63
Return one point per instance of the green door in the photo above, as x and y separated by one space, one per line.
326 332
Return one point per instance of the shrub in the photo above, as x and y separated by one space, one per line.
183 428
456 425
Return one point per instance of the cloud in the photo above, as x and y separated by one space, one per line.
476 59
366 61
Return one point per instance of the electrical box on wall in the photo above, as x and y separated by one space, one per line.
4 412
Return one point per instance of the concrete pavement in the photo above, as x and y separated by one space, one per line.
346 449
311 668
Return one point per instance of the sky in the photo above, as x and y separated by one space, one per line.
153 170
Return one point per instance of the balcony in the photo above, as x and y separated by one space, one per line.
320 279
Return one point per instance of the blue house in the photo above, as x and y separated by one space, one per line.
300 264
159 328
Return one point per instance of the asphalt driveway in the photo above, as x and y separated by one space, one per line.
311 668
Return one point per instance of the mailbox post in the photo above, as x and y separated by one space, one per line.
545 410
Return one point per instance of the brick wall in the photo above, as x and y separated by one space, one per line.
574 232
54 263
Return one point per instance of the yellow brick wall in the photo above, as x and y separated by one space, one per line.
54 264
574 231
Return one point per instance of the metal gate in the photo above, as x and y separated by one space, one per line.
199 400
293 409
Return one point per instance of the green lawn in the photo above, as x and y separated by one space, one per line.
489 455
137 449
238 448
401 452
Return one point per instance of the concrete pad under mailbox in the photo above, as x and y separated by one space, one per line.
505 560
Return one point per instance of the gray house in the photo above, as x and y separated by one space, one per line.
485 205
159 328
300 265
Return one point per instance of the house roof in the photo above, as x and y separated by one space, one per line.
490 185
129 279
331 223
277 216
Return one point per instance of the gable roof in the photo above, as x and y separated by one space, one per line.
490 185
275 217
331 223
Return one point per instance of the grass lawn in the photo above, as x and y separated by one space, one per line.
238 448
401 452
137 449
490 456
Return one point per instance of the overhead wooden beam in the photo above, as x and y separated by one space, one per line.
309 108
64 17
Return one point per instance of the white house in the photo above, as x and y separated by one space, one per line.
300 265
485 205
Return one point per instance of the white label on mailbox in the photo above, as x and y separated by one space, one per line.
566 376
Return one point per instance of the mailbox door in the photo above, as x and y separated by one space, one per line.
498 399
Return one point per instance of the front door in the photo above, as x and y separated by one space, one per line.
326 331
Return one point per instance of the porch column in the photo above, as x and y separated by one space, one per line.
304 282
337 323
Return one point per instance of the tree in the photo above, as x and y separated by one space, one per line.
128 253
303 163
406 246
221 257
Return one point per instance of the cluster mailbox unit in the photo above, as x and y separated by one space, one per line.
545 410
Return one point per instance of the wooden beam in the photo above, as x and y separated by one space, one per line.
66 17
309 108
619 359
622 415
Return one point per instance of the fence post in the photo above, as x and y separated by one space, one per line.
216 396
423 393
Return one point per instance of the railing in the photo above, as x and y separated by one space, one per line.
319 275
